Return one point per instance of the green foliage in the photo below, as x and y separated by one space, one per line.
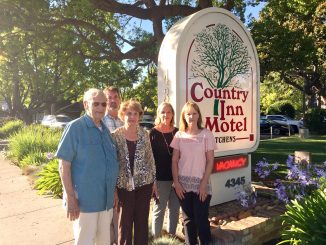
4 120
288 36
272 110
304 221
283 108
286 108
43 63
34 158
145 93
10 128
273 90
49 182
166 240
34 138
315 120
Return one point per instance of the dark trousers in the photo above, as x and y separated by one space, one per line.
195 216
133 213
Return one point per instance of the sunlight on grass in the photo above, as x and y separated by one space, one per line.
277 150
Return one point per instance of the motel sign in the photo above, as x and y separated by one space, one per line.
210 58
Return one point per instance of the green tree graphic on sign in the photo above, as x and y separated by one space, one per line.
222 56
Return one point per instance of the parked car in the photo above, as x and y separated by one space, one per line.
287 121
55 121
266 126
146 125
147 118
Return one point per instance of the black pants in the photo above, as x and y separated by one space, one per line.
195 216
133 213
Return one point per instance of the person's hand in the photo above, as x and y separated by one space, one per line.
155 191
179 190
116 201
73 210
202 191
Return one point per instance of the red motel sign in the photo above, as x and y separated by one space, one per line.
230 162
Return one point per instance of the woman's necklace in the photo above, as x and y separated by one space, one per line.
166 143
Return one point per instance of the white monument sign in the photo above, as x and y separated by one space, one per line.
209 57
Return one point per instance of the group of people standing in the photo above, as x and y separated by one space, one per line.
111 168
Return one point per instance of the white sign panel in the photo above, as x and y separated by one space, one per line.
210 58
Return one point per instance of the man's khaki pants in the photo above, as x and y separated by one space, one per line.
93 228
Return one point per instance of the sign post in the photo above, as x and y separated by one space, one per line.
210 58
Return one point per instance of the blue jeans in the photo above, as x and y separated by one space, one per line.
195 216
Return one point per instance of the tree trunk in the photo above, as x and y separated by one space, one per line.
27 116
15 88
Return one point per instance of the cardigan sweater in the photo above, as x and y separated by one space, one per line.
144 170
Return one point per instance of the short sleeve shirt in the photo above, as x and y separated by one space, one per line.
94 166
192 162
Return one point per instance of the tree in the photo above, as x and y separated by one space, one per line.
273 90
222 56
112 30
290 40
146 91
34 74
41 67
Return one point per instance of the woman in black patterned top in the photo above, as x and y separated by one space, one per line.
136 180
161 136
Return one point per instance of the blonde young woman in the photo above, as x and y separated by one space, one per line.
161 137
136 177
192 163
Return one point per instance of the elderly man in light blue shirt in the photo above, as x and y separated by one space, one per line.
88 168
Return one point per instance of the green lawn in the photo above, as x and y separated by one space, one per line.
277 150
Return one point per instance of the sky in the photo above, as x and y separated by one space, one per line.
254 10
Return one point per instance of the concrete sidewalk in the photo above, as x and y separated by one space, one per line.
26 217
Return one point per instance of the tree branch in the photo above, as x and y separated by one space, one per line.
288 80
154 12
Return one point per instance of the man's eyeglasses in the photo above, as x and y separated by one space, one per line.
96 104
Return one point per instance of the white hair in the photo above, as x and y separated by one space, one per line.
91 93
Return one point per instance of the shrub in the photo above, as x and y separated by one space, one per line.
283 108
49 182
166 240
34 138
304 221
34 158
287 109
4 120
273 110
315 120
11 127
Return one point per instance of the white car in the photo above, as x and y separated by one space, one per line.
285 120
55 121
